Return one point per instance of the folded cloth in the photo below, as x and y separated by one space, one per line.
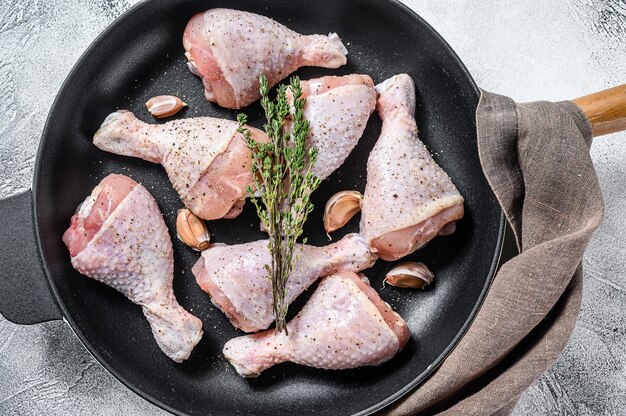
536 159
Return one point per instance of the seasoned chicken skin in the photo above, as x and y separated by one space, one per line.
236 279
230 49
408 198
205 158
119 238
337 109
345 324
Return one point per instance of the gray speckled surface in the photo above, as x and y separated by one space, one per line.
527 50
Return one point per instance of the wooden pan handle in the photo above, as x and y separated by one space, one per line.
605 110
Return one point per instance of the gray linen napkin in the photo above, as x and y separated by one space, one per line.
536 159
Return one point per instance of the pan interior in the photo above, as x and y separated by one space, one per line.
141 56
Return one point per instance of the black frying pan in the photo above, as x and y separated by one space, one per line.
141 56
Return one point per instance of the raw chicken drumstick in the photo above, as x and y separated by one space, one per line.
408 198
345 324
229 49
119 238
337 109
236 279
206 160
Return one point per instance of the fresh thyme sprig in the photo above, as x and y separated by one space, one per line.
282 172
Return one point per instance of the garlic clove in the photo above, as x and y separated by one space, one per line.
410 275
192 231
340 208
164 105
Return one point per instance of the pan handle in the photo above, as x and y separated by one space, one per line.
605 110
25 296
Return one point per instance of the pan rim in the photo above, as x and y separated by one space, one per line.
67 317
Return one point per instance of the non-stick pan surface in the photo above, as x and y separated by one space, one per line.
141 56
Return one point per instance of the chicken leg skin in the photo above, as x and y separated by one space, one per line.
408 198
337 109
206 159
230 49
345 324
118 237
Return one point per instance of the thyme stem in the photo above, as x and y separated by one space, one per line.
282 171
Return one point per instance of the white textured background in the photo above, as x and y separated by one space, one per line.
529 50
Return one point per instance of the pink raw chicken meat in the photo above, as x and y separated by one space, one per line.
118 237
337 109
206 159
408 198
236 279
229 49
345 324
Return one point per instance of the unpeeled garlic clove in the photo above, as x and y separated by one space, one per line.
192 65
410 275
192 231
340 208
164 105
